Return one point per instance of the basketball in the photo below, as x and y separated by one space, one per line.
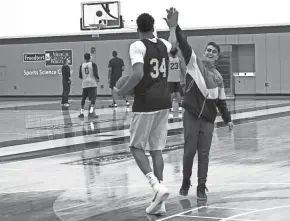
99 13
122 80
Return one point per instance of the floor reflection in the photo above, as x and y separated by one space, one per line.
249 169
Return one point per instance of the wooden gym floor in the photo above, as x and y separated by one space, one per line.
55 167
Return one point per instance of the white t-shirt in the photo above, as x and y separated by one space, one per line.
138 50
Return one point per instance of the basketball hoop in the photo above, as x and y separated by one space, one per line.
106 12
94 27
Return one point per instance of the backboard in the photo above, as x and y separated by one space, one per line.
106 13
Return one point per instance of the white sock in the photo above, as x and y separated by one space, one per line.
82 111
91 109
152 180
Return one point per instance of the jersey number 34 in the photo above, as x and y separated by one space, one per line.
158 69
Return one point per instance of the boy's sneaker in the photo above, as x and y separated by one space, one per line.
200 192
185 187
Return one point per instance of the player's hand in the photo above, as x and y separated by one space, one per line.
231 126
172 17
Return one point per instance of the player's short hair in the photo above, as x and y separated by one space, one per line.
214 45
87 56
174 51
65 60
114 53
145 22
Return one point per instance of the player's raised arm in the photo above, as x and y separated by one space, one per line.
172 20
185 48
176 35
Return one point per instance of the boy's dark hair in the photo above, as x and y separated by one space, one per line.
65 61
87 56
145 22
215 45
174 52
115 53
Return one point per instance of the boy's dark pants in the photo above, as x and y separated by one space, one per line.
198 137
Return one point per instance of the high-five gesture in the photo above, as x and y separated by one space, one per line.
172 17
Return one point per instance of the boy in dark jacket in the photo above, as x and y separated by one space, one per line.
204 93
66 82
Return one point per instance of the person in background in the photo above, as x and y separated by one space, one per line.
116 67
66 83
89 74
176 70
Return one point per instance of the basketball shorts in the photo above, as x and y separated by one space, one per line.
174 87
114 81
148 130
89 92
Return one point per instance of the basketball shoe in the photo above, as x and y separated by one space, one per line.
157 205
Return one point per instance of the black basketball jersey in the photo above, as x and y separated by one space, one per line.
151 93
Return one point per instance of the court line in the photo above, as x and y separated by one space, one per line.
12 169
9 133
169 217
138 186
229 208
256 211
178 214
226 219
28 104
256 138
215 218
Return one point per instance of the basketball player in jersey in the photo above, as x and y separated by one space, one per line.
176 70
152 101
89 75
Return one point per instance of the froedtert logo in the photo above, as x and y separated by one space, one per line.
33 57
50 57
